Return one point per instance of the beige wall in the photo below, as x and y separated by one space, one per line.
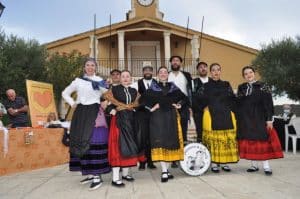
181 46
142 11
103 46
231 59
82 46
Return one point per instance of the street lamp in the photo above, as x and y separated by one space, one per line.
1 8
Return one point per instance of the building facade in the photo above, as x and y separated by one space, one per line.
144 38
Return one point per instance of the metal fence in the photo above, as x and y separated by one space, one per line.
135 65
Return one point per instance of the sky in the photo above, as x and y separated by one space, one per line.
247 22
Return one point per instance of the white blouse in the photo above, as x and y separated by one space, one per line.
86 95
179 80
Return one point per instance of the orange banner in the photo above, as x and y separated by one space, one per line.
41 101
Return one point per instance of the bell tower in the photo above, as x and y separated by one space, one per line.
145 8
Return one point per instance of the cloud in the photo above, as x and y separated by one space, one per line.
218 20
25 33
247 22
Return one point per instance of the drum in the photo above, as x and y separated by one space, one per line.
196 159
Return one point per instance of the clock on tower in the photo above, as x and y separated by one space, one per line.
145 8
145 2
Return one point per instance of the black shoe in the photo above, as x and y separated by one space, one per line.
142 166
215 169
174 165
86 180
151 166
268 172
226 168
95 185
128 178
170 176
252 169
118 183
164 177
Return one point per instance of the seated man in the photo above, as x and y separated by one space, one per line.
287 114
17 110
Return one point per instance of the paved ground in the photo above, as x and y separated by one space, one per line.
58 182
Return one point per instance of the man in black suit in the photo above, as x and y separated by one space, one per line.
198 100
143 115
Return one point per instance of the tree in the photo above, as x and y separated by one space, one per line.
279 65
20 60
62 69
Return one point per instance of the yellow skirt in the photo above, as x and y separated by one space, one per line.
222 144
161 154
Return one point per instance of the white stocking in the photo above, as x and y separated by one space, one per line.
214 165
125 171
266 165
164 166
254 164
116 173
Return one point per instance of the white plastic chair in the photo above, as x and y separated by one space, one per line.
296 123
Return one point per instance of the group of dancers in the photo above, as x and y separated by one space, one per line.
119 125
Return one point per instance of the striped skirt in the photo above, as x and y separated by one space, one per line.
95 161
222 144
261 150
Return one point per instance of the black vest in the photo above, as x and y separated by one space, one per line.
198 99
141 86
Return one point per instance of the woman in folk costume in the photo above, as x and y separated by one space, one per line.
88 132
163 99
124 150
219 124
258 140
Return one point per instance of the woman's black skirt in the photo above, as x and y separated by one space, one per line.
82 125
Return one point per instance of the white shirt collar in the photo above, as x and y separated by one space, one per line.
204 79
252 82
148 81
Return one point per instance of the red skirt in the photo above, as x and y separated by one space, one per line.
261 150
115 158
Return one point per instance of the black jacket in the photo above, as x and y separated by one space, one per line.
198 99
141 86
255 107
220 100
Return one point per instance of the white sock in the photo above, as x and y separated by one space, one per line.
125 171
266 165
214 165
254 164
90 176
97 178
116 173
168 165
164 166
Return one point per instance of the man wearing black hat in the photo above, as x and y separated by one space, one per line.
183 80
198 100
143 115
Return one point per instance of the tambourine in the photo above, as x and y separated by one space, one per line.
197 159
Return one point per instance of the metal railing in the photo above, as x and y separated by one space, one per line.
135 66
